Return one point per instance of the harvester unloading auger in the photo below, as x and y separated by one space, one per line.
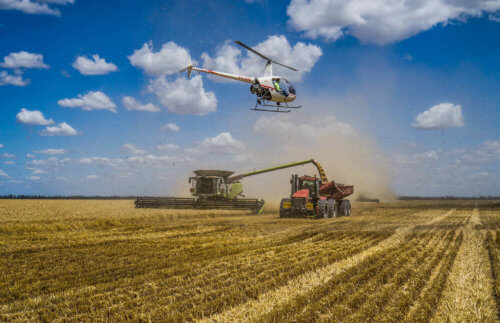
217 189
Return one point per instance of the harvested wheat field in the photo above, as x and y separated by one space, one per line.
105 260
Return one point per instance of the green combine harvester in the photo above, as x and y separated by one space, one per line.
217 189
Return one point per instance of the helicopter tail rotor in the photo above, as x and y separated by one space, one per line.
188 68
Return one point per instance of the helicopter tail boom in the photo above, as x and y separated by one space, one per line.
235 77
191 67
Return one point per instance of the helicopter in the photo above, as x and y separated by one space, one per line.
272 91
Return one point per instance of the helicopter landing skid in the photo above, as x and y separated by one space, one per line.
258 105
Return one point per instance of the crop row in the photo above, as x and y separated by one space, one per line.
248 281
363 292
467 296
225 278
134 266
28 272
184 259
490 219
493 247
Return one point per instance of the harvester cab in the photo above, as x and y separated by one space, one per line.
214 183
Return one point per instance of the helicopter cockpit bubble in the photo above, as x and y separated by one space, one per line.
289 86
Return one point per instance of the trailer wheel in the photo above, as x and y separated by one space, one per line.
285 212
322 206
332 208
345 207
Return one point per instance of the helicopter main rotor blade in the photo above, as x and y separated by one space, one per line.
252 50
264 57
293 69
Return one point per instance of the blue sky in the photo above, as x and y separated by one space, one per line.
400 99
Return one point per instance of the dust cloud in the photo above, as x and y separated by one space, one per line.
348 156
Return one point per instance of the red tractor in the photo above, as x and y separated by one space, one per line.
315 197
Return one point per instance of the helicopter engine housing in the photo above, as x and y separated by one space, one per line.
261 92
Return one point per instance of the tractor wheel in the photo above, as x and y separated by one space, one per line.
322 207
345 207
285 212
332 208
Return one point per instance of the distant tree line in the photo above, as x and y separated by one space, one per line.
64 197
486 198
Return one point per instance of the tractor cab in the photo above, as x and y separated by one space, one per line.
305 186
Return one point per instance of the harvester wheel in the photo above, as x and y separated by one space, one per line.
322 209
345 207
285 212
260 207
332 208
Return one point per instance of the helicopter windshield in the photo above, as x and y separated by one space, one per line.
289 85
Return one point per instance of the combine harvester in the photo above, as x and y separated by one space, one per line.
217 189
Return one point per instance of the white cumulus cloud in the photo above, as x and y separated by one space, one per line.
49 163
51 151
39 7
1 146
170 127
167 147
9 79
23 59
90 177
62 129
184 96
92 100
3 174
229 58
223 143
441 116
102 161
169 60
133 149
154 160
487 152
7 155
93 66
131 104
379 21
32 117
